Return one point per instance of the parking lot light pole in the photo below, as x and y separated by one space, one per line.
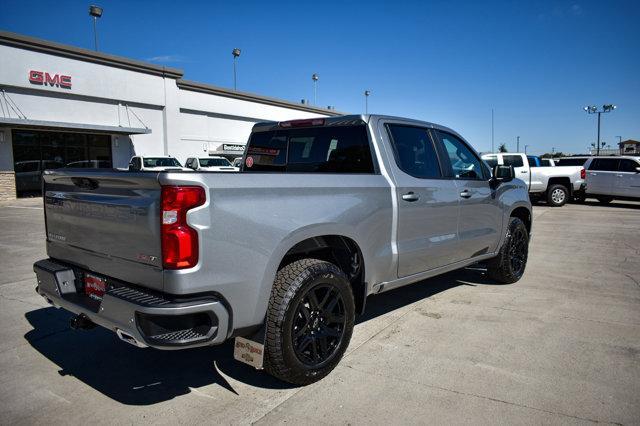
315 77
517 143
592 109
235 52
366 101
95 12
525 149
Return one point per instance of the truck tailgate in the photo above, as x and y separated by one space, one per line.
105 221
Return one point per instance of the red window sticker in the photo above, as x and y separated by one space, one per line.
249 161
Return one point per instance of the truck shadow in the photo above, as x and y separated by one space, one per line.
135 376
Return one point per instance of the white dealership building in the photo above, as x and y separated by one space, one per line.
62 105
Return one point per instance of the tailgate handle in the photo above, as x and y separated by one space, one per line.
85 183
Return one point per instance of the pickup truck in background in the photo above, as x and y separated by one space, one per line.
211 164
556 185
154 164
282 255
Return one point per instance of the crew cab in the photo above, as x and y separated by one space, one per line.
556 185
282 255
154 164
214 164
610 178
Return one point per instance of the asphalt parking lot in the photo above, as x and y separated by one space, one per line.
560 346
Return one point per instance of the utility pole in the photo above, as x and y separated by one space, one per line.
492 147
95 12
315 78
517 143
235 52
366 101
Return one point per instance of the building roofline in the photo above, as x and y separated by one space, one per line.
58 49
245 96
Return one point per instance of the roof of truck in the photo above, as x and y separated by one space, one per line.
353 119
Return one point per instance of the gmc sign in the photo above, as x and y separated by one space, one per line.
44 78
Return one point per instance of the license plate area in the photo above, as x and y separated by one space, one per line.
95 287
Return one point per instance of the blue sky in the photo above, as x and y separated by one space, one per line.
536 63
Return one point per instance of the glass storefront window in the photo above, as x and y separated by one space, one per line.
35 151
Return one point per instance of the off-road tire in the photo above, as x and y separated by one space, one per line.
291 286
501 268
557 195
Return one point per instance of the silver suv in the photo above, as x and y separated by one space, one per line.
611 178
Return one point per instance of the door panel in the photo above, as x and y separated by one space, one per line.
601 176
427 226
479 220
479 217
627 180
427 202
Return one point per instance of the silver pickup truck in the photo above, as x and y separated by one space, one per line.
282 255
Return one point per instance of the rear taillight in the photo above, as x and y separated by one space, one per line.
179 240
583 173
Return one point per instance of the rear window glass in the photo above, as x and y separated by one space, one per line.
512 160
214 162
161 162
339 149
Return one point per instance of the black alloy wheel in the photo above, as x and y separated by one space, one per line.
518 250
318 325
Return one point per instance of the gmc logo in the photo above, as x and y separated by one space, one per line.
44 78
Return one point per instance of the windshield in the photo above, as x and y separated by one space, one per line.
214 162
161 162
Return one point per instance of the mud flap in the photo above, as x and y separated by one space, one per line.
249 352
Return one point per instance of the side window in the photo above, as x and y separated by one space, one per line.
491 161
628 166
604 164
512 160
414 151
532 161
464 162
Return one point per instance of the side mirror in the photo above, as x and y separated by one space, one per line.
503 173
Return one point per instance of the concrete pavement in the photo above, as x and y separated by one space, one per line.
560 346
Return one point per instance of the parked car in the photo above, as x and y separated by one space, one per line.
547 162
282 255
610 178
29 174
571 161
555 184
211 164
154 164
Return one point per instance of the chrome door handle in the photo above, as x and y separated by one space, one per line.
410 196
465 194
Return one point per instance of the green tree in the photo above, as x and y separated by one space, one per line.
502 148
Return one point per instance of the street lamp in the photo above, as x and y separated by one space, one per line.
592 109
315 78
517 143
525 149
96 12
366 101
235 52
